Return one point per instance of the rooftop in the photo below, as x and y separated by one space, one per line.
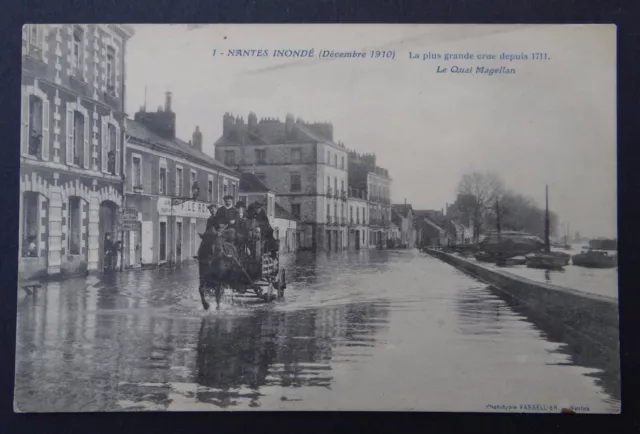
402 209
250 183
175 146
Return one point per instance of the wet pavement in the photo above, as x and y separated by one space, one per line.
370 330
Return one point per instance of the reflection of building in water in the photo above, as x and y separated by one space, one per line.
479 312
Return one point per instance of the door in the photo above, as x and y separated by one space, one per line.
163 241
146 243
178 241
329 240
357 240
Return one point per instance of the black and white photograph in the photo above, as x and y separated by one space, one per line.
310 217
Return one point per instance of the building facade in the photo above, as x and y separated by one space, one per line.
72 131
302 164
365 176
402 216
358 229
163 170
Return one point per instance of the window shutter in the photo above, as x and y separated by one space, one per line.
87 147
118 153
45 130
104 143
25 121
69 136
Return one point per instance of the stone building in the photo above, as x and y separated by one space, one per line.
300 162
358 229
160 169
72 126
402 216
365 176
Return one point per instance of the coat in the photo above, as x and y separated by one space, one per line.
224 216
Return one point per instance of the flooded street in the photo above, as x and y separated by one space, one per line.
370 330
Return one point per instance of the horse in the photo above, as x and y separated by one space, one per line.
216 263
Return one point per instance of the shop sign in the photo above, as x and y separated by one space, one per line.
188 209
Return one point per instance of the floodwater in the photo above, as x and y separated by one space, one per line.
370 330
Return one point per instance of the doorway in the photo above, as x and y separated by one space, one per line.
108 215
178 241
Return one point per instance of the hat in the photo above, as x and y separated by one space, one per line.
241 204
213 205
227 197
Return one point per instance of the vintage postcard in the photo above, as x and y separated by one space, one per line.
318 217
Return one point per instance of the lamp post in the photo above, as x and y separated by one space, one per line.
179 200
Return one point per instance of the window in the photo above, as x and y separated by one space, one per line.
229 158
358 215
210 190
30 224
224 189
75 225
32 38
163 179
335 210
295 211
178 241
233 191
261 156
351 213
328 184
136 172
335 160
194 178
77 57
335 185
328 212
78 138
342 186
328 157
111 155
111 70
342 162
179 181
163 241
35 126
295 182
296 155
244 199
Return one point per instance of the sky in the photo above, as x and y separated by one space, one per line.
551 123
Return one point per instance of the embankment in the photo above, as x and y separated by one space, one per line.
593 316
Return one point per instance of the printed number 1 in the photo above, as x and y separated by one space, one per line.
214 52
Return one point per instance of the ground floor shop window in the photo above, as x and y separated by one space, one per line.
163 241
30 225
75 225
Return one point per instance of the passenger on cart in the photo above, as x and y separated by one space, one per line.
266 231
211 221
226 218
243 228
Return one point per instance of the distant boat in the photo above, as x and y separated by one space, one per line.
604 244
547 259
595 259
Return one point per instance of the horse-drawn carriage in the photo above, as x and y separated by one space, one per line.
247 268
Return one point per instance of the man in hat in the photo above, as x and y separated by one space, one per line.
262 220
226 218
211 221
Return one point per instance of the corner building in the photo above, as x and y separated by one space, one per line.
160 168
72 131
302 164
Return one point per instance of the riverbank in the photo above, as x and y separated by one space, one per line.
593 316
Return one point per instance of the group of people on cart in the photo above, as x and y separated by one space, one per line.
237 225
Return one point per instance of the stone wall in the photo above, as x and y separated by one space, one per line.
593 316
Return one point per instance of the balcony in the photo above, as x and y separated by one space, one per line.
357 194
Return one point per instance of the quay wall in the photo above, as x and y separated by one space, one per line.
593 316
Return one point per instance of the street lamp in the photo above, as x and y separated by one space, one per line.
179 200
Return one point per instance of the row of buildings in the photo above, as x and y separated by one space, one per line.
84 163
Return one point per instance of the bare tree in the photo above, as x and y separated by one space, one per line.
477 194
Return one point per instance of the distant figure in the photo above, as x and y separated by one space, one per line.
108 252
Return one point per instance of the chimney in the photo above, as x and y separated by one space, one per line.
167 101
162 122
197 139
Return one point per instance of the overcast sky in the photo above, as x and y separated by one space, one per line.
552 122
